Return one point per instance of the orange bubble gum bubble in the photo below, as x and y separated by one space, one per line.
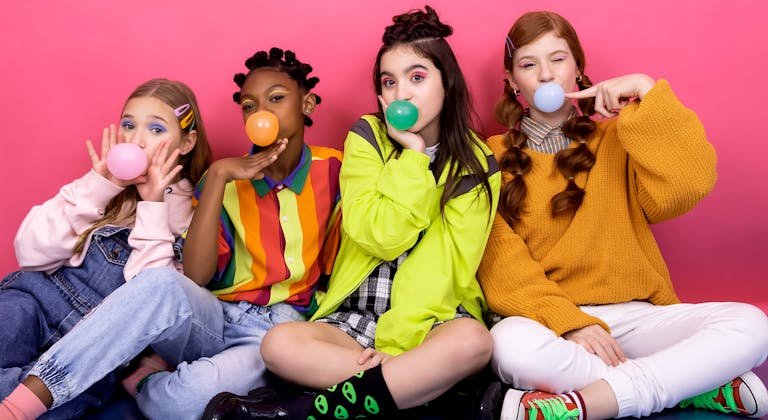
262 128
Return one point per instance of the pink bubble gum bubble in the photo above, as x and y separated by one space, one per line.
126 161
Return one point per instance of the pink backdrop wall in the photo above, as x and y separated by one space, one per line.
67 67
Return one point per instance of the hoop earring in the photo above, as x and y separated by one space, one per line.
516 91
578 78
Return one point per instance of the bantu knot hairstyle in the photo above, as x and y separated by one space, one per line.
285 62
414 26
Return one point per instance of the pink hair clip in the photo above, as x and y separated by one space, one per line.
181 110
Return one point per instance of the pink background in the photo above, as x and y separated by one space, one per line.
68 66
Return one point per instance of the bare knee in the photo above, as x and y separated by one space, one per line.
279 346
473 344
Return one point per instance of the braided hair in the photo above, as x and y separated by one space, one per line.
425 34
283 61
509 112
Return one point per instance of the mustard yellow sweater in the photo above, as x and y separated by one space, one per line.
653 162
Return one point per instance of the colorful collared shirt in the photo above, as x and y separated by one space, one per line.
276 239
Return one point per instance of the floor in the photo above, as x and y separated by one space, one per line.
125 408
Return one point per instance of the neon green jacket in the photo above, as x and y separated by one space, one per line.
388 204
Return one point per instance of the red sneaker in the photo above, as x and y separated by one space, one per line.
521 405
745 395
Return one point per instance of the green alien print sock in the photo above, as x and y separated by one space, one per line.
364 394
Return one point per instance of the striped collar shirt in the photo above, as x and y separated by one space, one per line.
277 239
543 137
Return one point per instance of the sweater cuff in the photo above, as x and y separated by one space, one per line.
152 220
659 111
97 190
564 319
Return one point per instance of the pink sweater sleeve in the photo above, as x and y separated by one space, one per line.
156 228
48 233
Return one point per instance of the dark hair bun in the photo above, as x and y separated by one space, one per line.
415 25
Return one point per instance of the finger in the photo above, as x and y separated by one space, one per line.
586 93
606 346
104 142
376 360
600 106
601 353
617 349
365 355
161 151
172 174
160 158
259 162
282 145
612 100
170 160
383 103
120 136
92 152
278 145
588 347
112 135
138 180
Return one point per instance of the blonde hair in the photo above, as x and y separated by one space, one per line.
174 94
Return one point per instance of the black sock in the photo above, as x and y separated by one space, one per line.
364 394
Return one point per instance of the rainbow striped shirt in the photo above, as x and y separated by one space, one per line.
276 239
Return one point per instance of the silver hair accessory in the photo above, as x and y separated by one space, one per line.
510 47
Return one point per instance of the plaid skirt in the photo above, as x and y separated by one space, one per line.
359 312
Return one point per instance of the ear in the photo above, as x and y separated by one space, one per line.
188 142
308 103
511 80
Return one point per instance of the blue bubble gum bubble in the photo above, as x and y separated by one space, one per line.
549 97
402 115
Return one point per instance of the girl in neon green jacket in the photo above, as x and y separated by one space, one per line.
401 320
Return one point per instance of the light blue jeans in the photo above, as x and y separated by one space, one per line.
213 344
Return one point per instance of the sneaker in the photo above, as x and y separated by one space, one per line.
521 405
745 395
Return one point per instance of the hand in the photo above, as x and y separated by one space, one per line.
407 139
371 357
161 173
248 167
614 94
109 138
597 341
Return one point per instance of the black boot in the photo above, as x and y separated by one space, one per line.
260 403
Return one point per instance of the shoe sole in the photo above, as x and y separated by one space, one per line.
758 390
510 408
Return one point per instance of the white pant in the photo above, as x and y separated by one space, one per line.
674 352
